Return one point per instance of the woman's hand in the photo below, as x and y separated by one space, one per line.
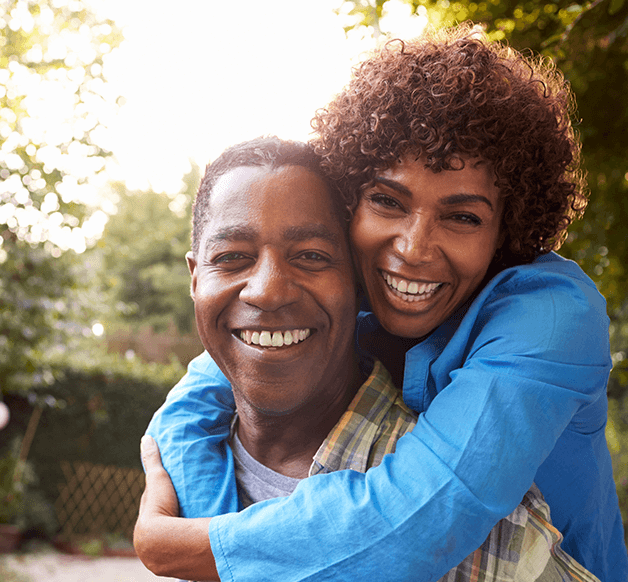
169 545
159 497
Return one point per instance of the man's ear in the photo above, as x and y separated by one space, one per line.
191 261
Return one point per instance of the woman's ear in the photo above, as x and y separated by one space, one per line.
191 261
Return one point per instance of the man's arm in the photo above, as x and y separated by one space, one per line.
167 544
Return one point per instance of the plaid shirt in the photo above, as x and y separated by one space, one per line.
522 547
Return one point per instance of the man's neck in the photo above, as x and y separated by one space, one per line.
287 443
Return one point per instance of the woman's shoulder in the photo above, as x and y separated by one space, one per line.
551 280
549 307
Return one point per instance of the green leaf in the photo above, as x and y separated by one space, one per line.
615 6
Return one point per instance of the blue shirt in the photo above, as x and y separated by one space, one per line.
511 391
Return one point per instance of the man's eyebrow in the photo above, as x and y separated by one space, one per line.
453 199
310 231
233 233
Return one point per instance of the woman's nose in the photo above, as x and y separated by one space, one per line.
270 285
415 242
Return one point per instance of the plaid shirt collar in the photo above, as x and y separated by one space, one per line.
351 442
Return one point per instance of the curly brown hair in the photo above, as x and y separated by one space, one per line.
452 94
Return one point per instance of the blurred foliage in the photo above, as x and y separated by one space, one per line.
45 306
21 502
589 43
12 490
142 257
97 411
53 99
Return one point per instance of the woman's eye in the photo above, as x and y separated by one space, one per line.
467 218
384 200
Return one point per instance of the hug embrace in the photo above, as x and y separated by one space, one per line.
402 379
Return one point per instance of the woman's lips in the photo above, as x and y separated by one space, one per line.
410 291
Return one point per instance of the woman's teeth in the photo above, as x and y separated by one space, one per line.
274 339
411 289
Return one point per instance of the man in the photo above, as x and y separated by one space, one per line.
275 305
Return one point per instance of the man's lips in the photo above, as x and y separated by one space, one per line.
410 291
273 339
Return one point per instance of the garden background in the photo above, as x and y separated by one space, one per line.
96 323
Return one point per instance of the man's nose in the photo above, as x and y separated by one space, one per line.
271 284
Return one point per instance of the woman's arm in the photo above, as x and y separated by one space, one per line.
526 371
167 544
191 429
529 369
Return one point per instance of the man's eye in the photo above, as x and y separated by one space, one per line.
313 256
312 260
229 258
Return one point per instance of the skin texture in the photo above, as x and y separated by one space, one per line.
435 232
274 258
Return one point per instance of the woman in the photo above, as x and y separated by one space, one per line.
461 167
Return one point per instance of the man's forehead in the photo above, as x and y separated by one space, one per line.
292 233
292 200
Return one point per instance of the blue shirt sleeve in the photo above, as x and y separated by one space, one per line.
531 358
191 429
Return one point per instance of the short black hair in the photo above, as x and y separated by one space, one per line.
269 152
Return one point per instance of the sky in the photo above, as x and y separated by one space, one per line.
195 77
200 75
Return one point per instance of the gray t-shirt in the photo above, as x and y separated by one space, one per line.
257 482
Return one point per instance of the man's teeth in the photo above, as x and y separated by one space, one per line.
410 287
275 339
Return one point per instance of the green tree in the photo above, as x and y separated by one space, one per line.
143 257
53 103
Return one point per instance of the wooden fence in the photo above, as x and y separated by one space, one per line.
98 499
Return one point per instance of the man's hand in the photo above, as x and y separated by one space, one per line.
169 545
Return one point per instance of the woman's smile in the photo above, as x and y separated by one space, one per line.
411 291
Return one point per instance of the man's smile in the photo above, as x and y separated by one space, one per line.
274 339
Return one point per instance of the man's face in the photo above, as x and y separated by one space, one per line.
273 289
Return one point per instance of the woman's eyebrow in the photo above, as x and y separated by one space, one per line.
464 198
393 185
451 200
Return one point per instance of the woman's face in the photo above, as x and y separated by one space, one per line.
423 241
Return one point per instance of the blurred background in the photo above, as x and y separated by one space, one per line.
109 111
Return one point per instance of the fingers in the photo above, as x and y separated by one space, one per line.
151 459
159 497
